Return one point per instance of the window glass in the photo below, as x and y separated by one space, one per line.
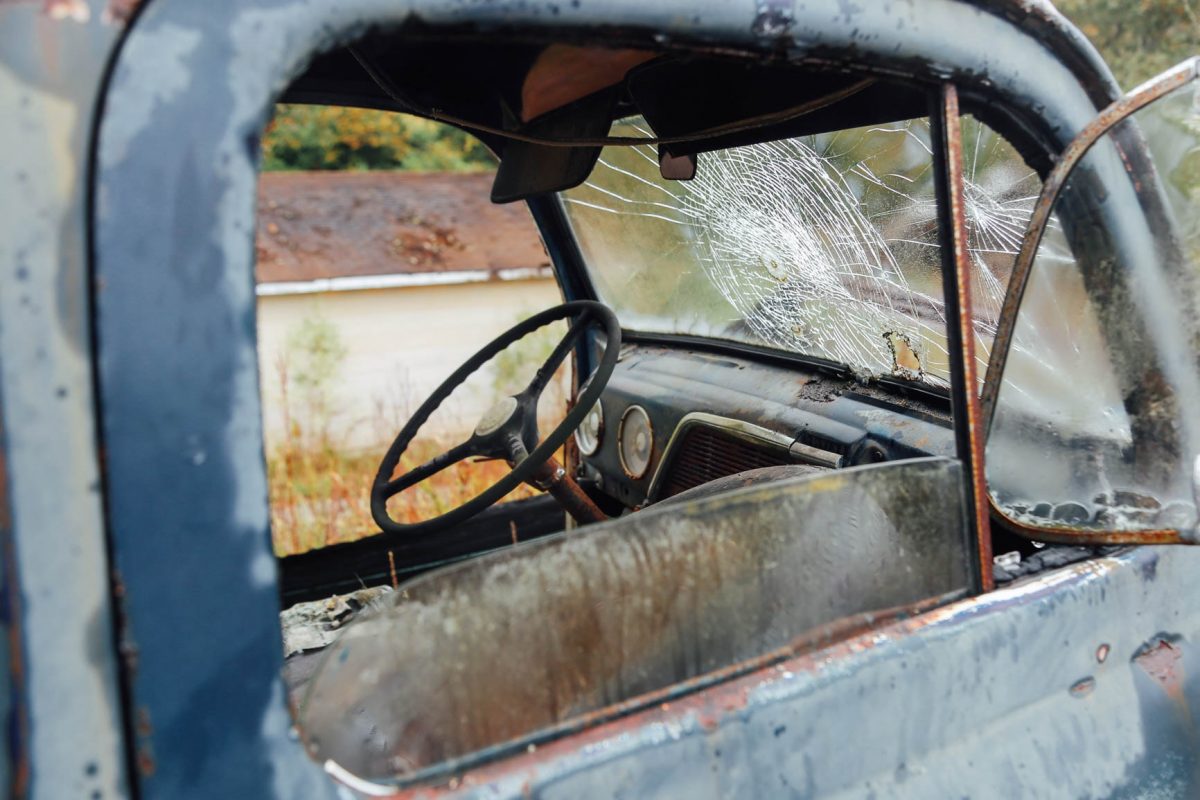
999 192
508 651
822 245
1109 439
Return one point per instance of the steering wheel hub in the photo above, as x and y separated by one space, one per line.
497 416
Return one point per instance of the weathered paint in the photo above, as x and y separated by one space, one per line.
588 626
191 88
68 732
188 513
995 697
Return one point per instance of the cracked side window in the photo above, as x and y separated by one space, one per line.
823 245
1110 440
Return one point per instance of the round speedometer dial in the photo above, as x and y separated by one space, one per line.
635 441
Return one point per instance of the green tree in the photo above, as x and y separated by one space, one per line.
303 137
1138 38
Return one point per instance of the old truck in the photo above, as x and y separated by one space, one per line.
882 457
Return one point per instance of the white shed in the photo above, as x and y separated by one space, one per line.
407 273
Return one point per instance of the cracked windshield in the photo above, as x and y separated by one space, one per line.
820 245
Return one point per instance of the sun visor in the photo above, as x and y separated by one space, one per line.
528 169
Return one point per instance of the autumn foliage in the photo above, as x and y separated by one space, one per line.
302 137
1138 38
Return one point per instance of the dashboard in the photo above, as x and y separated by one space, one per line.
672 418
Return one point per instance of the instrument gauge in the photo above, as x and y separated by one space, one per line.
635 441
589 434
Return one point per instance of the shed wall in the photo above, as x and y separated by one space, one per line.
400 344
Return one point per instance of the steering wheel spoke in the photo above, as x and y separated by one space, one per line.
430 468
546 371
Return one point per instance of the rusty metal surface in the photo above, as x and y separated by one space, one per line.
64 723
190 89
960 324
1016 693
635 606
1065 535
554 479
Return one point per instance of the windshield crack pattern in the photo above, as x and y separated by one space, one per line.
827 245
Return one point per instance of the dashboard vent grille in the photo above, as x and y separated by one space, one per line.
823 443
707 453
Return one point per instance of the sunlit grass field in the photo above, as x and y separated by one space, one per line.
320 496
319 488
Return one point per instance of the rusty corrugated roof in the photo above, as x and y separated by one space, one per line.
314 225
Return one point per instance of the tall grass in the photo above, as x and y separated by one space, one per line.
319 489
319 494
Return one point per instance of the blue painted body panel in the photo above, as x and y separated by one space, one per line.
997 696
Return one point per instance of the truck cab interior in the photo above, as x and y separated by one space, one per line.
759 452
782 278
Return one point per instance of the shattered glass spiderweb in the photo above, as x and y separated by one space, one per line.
823 245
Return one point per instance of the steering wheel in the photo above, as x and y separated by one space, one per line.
508 429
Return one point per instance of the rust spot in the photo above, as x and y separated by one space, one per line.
11 610
143 729
1162 660
142 722
1102 653
1083 687
708 720
126 646
119 12
145 761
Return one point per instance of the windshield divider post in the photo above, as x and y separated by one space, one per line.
946 134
